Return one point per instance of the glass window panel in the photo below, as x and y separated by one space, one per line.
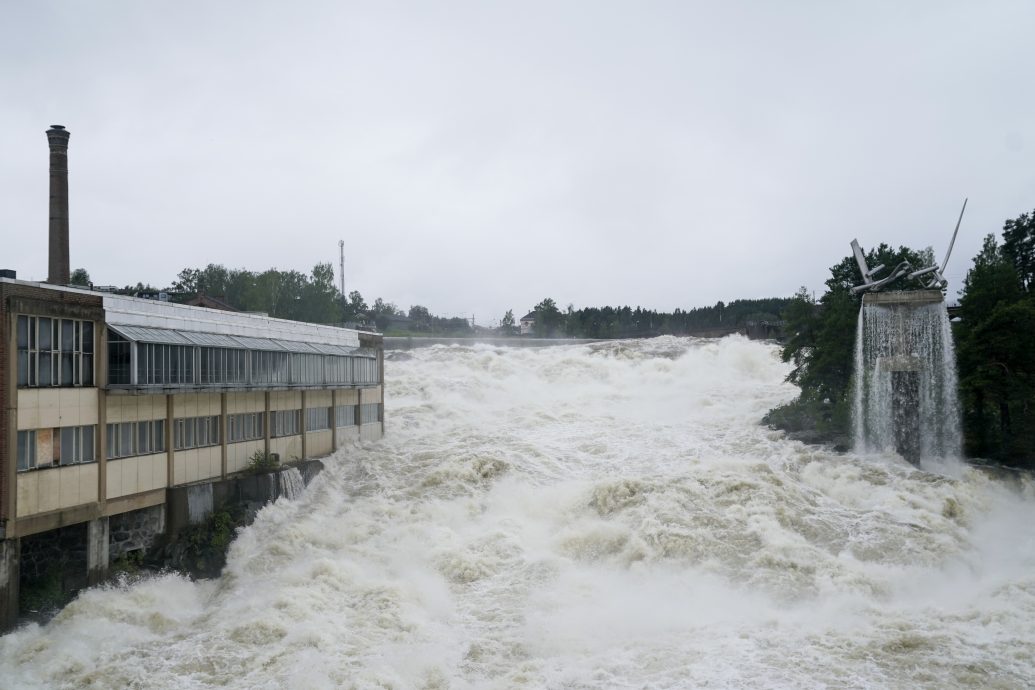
46 340
23 332
87 336
66 368
23 447
45 369
126 439
67 449
67 335
112 441
23 368
87 444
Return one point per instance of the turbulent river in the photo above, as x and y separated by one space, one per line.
608 515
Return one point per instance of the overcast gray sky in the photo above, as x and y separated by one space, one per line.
479 156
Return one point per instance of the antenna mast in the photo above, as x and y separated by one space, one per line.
341 265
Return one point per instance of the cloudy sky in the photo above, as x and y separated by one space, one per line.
479 156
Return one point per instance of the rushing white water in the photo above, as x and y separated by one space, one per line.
290 483
906 338
601 516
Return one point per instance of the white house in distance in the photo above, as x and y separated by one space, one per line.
527 323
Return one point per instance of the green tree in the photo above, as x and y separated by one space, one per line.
420 318
996 360
355 306
548 319
508 325
1019 247
80 277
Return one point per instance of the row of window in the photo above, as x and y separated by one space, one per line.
54 352
369 413
183 365
136 438
75 444
317 418
286 423
195 432
67 445
247 426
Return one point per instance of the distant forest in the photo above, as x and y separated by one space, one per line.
315 298
625 322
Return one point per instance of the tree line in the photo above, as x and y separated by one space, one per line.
626 322
995 358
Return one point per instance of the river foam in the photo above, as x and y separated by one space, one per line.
594 516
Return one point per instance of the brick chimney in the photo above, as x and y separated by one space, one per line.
58 273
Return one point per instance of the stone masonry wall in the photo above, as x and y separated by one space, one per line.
136 530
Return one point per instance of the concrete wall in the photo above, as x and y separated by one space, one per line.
56 488
128 476
286 400
289 447
197 405
318 443
238 455
348 397
370 432
237 403
40 408
197 464
135 408
318 398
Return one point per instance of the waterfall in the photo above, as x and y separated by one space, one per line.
904 395
290 484
199 502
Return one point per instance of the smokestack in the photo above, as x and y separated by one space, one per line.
58 273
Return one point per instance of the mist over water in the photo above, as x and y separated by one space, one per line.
592 516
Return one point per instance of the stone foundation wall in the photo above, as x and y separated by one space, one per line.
61 549
137 530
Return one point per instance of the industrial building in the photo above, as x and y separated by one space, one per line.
107 402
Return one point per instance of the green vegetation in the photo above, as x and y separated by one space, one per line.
79 277
994 348
129 563
995 360
201 549
262 462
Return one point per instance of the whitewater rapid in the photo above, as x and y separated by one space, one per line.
588 516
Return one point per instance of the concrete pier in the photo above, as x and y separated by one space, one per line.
898 357
97 540
10 574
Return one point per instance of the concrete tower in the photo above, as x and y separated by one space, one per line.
58 272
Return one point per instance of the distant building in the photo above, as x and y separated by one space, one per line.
527 323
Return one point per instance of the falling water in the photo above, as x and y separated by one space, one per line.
583 516
290 483
894 342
